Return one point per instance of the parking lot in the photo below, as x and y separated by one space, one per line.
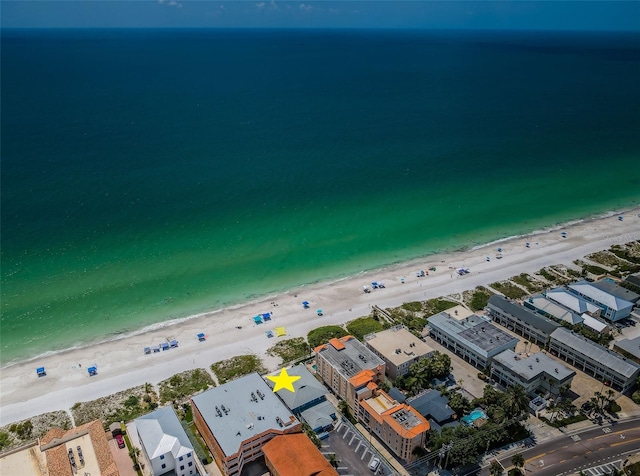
352 451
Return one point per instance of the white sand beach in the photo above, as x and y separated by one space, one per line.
122 364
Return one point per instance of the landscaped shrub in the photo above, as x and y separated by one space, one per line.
237 366
324 334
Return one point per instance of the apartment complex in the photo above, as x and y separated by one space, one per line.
605 295
165 443
349 368
530 325
629 348
536 373
295 455
236 420
598 361
474 339
399 349
400 427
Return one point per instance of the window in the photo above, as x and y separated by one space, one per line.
161 456
188 455
164 465
180 459
190 463
182 468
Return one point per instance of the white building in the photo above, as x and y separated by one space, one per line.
613 306
165 443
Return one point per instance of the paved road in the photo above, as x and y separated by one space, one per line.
572 452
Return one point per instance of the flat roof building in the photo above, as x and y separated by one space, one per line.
349 368
295 455
400 427
594 359
473 338
80 450
165 443
530 325
236 419
614 308
399 349
535 373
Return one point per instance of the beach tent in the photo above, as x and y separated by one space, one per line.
381 285
201 337
269 334
319 312
280 331
173 343
164 346
257 319
147 350
155 348
374 285
40 371
305 304
92 371
266 316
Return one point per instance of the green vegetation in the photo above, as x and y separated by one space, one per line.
565 421
413 306
346 411
633 469
595 270
183 385
509 289
122 406
237 366
311 435
362 326
605 258
437 305
21 432
411 319
5 440
322 335
636 397
552 278
528 283
290 350
479 298
423 371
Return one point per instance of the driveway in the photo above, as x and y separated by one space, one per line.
121 457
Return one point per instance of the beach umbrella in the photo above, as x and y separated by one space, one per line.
305 304
319 311
280 331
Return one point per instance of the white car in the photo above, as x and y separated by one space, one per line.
374 464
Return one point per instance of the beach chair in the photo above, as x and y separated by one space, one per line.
319 312
164 346
202 337
147 350
305 304
266 316
92 371
41 372
173 343
155 348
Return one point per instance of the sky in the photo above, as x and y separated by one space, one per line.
589 15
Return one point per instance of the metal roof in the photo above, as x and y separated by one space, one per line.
352 359
595 352
307 388
571 301
535 320
432 403
630 345
161 433
242 409
544 305
600 295
610 286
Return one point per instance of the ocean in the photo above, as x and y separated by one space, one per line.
148 175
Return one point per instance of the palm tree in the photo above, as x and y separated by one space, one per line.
518 461
515 400
496 469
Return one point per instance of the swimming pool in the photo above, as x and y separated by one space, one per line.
473 416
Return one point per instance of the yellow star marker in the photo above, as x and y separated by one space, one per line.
284 380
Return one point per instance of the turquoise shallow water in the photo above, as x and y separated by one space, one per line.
149 175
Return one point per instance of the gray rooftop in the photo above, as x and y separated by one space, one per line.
432 404
397 395
307 388
535 320
571 301
611 287
595 352
633 279
161 432
405 418
351 360
473 332
529 368
600 295
630 345
544 305
242 409
319 415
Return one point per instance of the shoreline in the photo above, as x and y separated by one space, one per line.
122 364
177 321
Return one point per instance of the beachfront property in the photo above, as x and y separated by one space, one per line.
295 455
236 420
552 308
400 427
614 370
475 339
399 349
165 443
606 295
629 348
349 369
532 326
81 450
435 408
536 373
309 402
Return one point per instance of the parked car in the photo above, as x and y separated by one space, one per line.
120 441
374 463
